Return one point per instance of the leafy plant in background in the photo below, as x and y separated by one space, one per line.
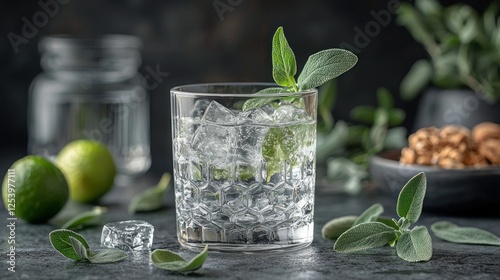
345 149
462 46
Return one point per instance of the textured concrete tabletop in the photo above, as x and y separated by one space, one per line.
36 259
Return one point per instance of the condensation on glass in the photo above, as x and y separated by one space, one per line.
90 89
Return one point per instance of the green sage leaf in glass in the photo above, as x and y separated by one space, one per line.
85 218
335 227
415 245
259 102
324 66
169 260
365 236
466 235
284 64
60 240
369 215
150 199
411 198
108 256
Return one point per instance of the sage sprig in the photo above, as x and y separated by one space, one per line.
171 261
466 235
370 231
320 67
74 246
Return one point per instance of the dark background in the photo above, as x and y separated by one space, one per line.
194 43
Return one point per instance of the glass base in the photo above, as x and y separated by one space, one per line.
246 248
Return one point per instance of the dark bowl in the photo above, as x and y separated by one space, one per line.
468 191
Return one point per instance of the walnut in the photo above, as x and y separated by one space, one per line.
484 131
408 156
490 149
454 146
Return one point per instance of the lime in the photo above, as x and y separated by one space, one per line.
36 191
89 168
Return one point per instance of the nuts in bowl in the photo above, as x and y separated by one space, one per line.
454 147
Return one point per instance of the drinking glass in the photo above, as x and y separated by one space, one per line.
244 166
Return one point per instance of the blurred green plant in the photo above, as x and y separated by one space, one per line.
463 47
344 149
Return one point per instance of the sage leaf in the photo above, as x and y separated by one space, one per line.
84 218
324 66
284 64
369 215
254 103
365 236
466 235
79 248
169 260
335 227
108 256
150 199
384 98
411 198
279 145
416 80
388 222
415 245
60 240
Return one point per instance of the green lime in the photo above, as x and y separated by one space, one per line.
89 168
34 189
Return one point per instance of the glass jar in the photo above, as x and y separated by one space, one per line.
90 89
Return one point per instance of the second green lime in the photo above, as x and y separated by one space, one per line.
89 168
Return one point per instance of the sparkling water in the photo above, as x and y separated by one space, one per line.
232 187
134 235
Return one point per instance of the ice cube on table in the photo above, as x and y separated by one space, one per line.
133 235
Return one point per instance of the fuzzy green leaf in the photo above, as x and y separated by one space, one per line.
324 66
416 80
335 227
169 260
369 215
415 245
467 235
384 98
60 240
365 236
108 256
411 198
79 248
84 218
152 198
284 64
363 113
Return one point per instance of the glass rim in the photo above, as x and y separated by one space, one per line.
184 90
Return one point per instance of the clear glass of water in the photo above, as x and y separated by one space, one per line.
244 178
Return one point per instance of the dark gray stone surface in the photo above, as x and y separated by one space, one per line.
36 259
